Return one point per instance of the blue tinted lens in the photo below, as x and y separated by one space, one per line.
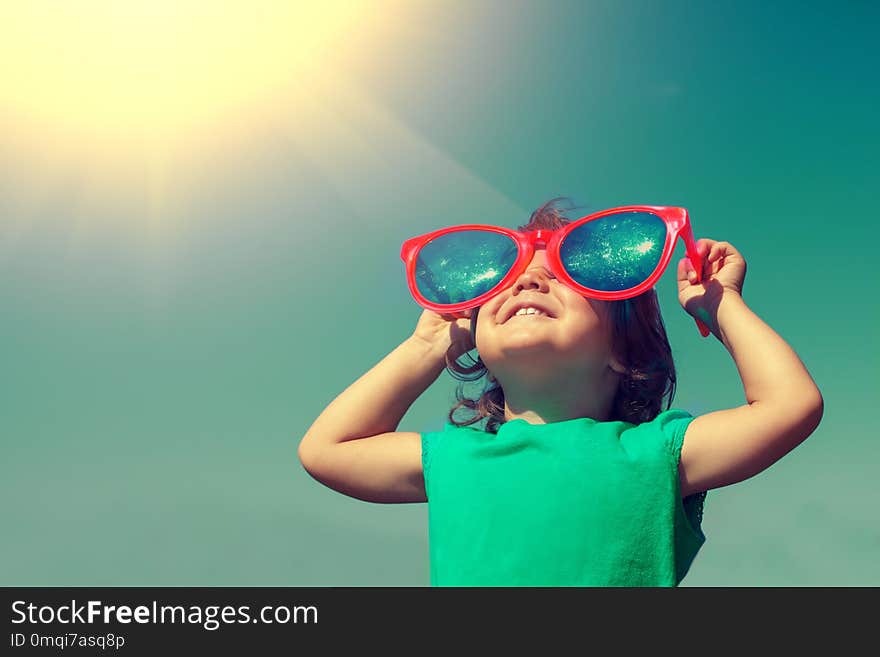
614 253
460 266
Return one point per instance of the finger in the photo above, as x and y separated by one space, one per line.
718 250
704 245
686 270
681 272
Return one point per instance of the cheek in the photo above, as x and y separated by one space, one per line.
587 311
585 328
585 332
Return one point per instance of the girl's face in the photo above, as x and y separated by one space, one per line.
572 339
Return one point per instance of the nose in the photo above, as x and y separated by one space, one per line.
536 276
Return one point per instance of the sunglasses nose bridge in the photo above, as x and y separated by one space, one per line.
540 236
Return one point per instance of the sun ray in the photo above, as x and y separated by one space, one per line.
404 167
135 158
121 98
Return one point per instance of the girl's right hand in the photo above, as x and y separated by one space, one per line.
441 331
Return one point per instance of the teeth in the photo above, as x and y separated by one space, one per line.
529 311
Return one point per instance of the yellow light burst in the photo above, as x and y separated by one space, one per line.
124 72
130 109
131 118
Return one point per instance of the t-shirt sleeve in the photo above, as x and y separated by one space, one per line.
673 424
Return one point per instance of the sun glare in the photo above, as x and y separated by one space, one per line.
139 119
131 109
122 71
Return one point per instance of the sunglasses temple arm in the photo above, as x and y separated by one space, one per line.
690 246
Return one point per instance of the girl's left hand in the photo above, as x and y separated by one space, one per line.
724 270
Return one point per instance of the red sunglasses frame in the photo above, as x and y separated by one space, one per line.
677 225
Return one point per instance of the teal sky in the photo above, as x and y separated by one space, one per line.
156 383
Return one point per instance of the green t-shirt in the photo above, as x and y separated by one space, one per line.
571 503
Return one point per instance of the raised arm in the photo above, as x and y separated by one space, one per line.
784 405
354 446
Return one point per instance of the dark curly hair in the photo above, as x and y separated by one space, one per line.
639 341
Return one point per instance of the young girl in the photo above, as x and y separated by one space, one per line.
578 478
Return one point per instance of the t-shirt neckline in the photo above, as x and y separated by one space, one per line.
584 420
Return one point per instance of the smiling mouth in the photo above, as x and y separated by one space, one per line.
529 316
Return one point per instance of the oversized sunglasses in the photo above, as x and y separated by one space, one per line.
610 255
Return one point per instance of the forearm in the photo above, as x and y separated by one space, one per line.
378 400
769 368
